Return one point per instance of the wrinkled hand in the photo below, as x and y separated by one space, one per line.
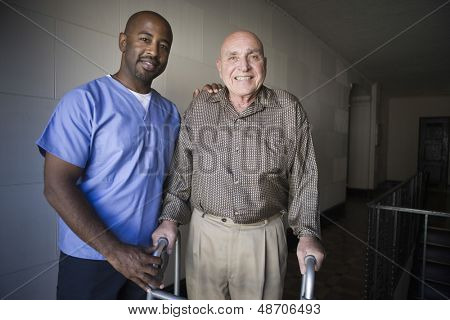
307 246
167 229
211 88
136 264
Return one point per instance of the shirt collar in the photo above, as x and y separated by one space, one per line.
264 99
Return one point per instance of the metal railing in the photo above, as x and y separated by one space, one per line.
396 223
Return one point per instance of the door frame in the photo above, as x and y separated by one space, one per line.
420 146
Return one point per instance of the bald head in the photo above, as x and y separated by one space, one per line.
241 36
137 19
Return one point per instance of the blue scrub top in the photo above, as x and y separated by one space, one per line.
125 152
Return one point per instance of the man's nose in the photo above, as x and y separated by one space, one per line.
152 49
243 64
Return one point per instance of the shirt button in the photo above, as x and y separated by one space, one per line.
236 213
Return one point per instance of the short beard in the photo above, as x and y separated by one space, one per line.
145 77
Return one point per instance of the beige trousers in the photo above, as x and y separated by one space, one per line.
225 260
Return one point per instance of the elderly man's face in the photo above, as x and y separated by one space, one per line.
242 65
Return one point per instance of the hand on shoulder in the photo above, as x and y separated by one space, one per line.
211 88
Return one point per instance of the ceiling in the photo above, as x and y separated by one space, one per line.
416 62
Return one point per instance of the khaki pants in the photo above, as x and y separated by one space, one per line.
225 260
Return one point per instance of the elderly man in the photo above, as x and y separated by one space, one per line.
244 158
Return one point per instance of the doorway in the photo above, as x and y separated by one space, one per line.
434 150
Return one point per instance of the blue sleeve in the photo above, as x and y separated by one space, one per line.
68 132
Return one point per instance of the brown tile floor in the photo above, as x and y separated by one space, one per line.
342 274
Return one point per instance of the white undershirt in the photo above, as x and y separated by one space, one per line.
144 98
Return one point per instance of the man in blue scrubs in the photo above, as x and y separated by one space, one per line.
107 149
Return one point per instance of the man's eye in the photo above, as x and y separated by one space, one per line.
164 46
233 58
255 57
144 39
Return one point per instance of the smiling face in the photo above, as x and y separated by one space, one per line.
242 65
145 47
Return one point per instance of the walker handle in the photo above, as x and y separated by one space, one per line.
307 290
160 250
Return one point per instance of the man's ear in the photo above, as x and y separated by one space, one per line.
219 67
122 41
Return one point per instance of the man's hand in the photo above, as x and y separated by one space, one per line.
167 229
307 246
136 264
211 88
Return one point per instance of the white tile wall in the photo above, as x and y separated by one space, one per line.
329 93
46 7
328 63
359 146
312 108
187 26
22 120
38 282
324 163
27 228
326 117
218 26
341 121
159 84
265 32
306 80
247 14
310 53
184 76
99 15
344 91
27 58
100 55
343 78
283 32
128 7
332 194
277 68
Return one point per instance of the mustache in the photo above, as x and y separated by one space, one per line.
150 59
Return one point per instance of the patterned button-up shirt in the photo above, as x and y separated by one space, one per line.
245 166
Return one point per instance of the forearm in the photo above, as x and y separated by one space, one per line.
178 185
304 214
60 189
175 209
80 216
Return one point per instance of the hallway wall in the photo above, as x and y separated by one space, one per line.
363 155
53 46
403 132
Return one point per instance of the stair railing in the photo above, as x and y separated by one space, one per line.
396 220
